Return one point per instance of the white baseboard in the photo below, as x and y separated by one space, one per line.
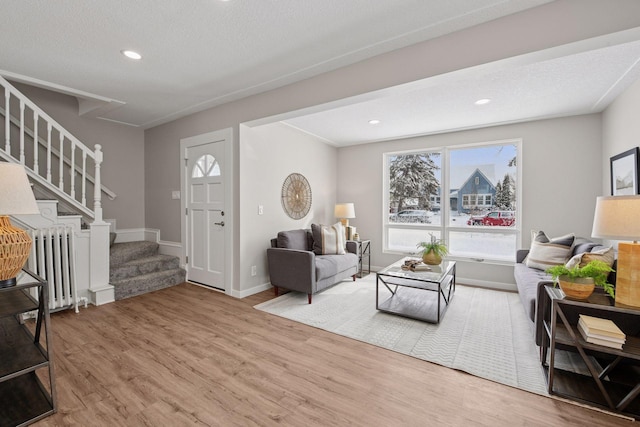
248 292
103 295
170 248
487 284
137 234
238 294
460 280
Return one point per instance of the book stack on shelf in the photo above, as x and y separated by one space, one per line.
599 331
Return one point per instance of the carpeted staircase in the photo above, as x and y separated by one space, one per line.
137 268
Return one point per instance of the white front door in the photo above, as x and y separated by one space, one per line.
205 213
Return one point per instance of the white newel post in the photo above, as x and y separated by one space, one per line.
100 289
97 185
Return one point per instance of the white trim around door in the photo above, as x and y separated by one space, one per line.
225 136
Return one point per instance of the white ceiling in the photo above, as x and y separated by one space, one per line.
201 53
577 79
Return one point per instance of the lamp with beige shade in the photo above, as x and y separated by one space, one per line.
618 218
16 198
345 211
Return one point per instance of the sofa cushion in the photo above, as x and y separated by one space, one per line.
527 281
293 239
547 252
330 265
582 247
328 239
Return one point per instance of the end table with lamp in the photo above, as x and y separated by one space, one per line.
614 373
613 379
616 218
16 198
26 365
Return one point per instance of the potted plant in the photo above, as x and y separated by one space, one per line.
579 282
433 250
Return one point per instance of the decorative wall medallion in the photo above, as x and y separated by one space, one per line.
296 196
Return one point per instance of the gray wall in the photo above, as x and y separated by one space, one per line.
268 154
123 148
621 129
561 178
620 132
503 38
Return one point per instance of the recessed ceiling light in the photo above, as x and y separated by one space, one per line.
374 122
131 54
483 101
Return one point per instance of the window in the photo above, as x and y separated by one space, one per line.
206 165
478 217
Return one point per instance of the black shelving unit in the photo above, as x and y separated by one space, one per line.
27 382
614 380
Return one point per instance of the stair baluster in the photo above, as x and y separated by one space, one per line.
23 126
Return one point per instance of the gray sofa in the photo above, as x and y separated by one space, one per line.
531 282
293 265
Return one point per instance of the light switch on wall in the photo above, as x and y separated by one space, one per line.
260 209
175 195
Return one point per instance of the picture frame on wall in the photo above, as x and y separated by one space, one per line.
624 173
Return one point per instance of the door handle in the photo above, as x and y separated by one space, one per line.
221 223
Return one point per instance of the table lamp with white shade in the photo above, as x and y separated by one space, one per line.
618 218
345 211
16 198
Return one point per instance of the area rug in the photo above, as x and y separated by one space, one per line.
484 332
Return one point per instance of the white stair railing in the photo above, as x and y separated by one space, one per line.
31 134
59 162
15 122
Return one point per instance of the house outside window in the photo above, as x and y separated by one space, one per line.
479 179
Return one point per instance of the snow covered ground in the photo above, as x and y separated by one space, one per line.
478 244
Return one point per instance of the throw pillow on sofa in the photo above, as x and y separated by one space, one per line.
293 239
545 252
328 239
606 255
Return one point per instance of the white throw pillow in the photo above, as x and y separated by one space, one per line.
545 252
328 239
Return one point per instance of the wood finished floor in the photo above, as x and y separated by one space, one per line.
190 356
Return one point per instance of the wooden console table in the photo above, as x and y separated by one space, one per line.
614 383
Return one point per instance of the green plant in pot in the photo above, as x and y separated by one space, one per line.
579 282
433 250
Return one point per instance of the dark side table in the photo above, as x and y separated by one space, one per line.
27 381
614 381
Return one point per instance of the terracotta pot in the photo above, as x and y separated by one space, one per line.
579 288
431 258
